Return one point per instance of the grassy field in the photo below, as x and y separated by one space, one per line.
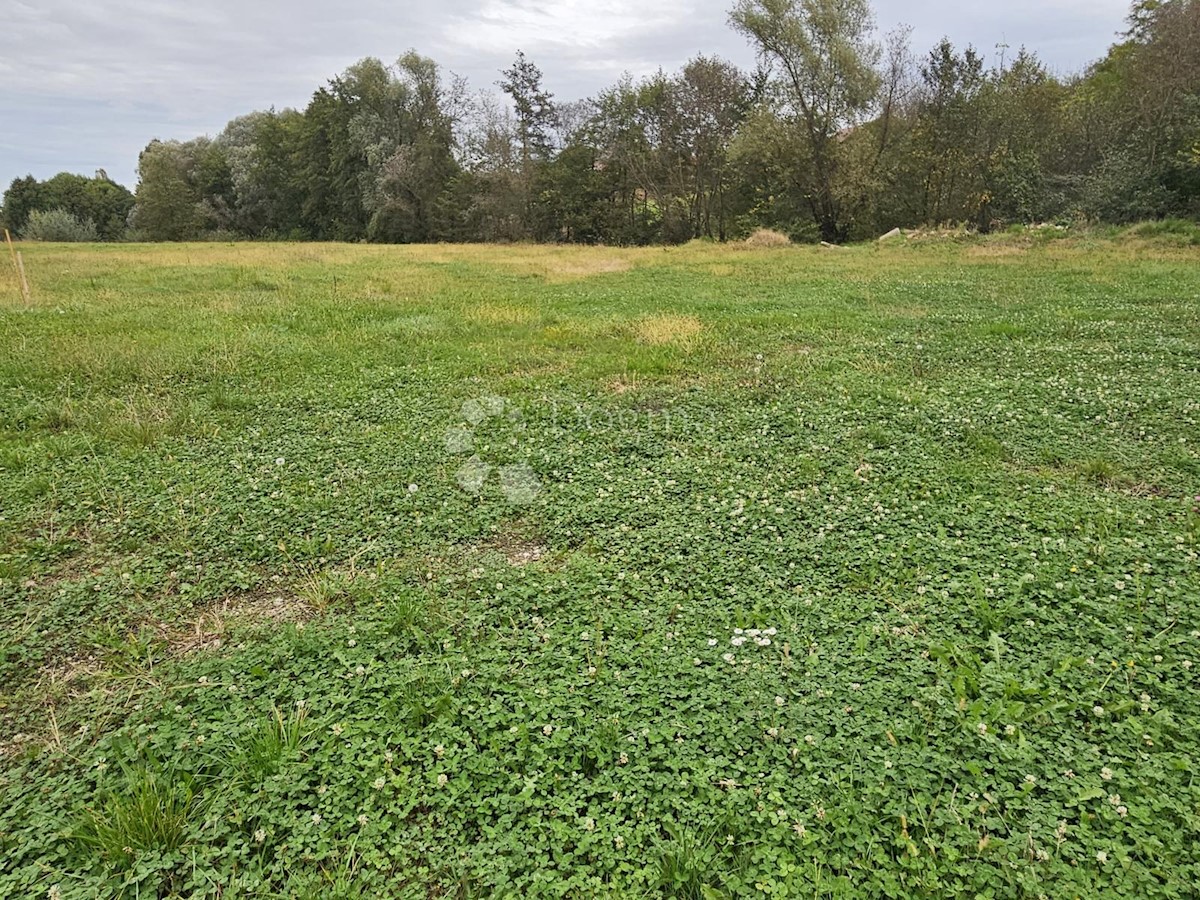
347 571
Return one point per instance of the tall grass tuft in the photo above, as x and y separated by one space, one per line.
154 810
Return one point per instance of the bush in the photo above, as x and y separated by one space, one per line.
1125 189
60 226
765 237
1179 231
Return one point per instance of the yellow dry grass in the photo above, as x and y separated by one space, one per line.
668 330
499 314
765 237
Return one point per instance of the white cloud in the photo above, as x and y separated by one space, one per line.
576 26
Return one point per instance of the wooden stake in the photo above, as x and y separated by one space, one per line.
19 266
24 284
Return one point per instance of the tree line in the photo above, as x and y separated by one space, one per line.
835 135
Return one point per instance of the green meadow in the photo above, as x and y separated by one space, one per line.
511 571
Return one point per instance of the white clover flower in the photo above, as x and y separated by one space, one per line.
619 842
779 701
1106 774
547 730
378 783
1122 811
260 836
352 643
589 824
279 460
623 759
738 631
412 488
728 657
1010 730
810 740
982 728
389 756
338 729
800 830
738 641
1101 857
316 818
1029 779
1098 710
712 642
439 751
362 819
443 780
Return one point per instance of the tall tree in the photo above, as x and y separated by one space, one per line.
536 114
24 196
536 119
828 83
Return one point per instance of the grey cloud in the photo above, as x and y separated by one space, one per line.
88 84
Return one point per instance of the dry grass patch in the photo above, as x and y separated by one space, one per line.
623 384
562 264
250 610
583 268
765 238
669 330
499 314
1003 250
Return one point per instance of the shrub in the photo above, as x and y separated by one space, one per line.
60 226
1179 231
765 237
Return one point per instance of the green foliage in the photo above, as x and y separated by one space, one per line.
828 83
58 225
1180 230
144 820
834 137
99 200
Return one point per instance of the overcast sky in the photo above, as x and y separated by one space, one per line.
87 83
